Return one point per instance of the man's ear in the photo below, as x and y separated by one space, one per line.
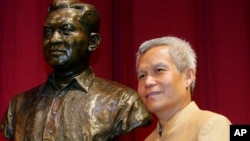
94 41
190 76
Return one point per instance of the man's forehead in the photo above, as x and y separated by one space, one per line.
83 7
63 15
67 12
56 2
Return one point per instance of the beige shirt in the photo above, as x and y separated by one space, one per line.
193 124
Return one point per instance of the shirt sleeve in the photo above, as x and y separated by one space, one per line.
7 122
132 113
215 129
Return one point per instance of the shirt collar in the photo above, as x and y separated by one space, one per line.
180 116
84 80
184 113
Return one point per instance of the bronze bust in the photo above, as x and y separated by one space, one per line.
73 104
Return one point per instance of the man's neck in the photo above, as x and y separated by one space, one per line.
63 75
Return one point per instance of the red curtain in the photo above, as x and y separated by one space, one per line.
219 31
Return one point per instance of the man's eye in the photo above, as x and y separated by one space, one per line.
159 70
140 76
67 30
47 31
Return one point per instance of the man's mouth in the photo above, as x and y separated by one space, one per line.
151 94
56 52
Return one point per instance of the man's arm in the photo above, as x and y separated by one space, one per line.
6 125
215 129
133 113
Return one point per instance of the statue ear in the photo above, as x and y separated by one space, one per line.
95 40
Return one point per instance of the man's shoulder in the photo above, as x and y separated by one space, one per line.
212 115
204 115
111 84
215 127
200 118
205 118
110 87
30 92
216 118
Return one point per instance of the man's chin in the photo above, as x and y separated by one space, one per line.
57 65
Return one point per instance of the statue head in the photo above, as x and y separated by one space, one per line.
88 17
71 32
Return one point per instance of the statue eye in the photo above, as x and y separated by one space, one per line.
47 31
67 29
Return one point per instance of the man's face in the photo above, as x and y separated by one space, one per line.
64 40
160 85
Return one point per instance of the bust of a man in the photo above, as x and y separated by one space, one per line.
73 104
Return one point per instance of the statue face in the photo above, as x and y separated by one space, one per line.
64 40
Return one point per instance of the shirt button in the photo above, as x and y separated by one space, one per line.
54 112
50 131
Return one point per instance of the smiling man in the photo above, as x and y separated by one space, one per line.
166 69
74 104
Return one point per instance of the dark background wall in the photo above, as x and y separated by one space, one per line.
219 31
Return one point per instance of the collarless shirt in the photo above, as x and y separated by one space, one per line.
88 108
193 124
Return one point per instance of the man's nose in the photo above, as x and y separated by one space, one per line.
56 37
150 81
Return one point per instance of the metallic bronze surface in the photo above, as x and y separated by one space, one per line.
87 109
73 104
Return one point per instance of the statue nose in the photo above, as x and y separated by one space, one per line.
56 38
